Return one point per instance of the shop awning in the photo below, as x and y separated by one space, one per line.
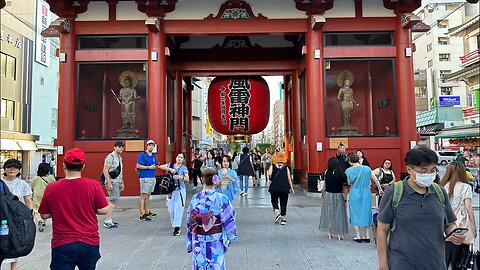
459 135
430 129
27 145
9 144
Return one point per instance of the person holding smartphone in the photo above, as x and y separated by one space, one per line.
417 227
460 194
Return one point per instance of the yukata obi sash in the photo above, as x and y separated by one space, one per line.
205 224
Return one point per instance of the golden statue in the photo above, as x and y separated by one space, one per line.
345 96
127 98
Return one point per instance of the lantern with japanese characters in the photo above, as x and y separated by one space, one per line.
239 104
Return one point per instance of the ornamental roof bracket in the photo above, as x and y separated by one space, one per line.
156 8
409 20
153 24
60 25
68 8
402 6
317 21
313 7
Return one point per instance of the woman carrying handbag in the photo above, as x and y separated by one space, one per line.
460 194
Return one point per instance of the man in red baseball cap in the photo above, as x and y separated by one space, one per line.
73 203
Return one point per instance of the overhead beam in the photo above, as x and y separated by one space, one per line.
213 27
239 67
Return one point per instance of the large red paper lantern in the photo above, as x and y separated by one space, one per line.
239 104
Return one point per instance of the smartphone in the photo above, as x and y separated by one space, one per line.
457 231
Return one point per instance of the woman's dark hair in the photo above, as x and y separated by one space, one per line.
181 153
334 165
220 150
211 153
234 155
43 169
228 159
456 172
391 165
245 150
207 175
420 155
73 167
363 154
352 157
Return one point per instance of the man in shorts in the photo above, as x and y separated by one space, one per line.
146 165
113 164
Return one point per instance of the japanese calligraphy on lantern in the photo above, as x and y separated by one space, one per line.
42 46
239 104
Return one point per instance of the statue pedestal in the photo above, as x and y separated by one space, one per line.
347 130
127 133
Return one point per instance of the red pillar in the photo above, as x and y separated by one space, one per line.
187 107
67 93
405 89
296 128
157 105
315 105
286 110
178 116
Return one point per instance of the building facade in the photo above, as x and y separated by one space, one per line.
279 124
347 68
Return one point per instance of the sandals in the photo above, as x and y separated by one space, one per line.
340 237
330 235
358 240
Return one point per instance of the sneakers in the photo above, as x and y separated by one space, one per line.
194 188
278 218
109 224
176 231
145 218
283 222
41 225
150 214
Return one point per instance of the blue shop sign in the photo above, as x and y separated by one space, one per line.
449 100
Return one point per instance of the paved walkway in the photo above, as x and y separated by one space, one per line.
261 245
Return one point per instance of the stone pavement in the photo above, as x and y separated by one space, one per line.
261 243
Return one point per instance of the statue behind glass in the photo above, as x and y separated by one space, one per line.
345 96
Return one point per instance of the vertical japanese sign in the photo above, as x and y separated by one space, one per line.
42 46
239 104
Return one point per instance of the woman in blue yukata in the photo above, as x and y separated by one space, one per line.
210 160
228 183
176 200
210 225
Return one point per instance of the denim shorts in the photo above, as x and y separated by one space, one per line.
147 185
66 257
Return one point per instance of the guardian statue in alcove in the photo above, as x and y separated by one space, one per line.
128 98
345 96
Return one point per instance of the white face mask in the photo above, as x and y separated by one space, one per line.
425 179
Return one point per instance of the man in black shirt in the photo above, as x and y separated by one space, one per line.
342 157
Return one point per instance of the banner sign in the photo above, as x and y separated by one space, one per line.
449 100
42 44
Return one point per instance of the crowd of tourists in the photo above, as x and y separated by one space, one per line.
417 223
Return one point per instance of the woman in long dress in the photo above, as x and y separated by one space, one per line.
334 212
211 225
176 200
360 198
228 183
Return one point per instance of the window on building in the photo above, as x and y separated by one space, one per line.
446 90
443 41
430 63
8 109
54 118
442 23
359 39
112 42
443 73
429 47
443 57
375 114
8 65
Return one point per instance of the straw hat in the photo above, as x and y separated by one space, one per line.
279 158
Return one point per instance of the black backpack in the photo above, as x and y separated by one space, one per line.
21 237
167 183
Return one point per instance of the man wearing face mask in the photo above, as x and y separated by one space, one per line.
419 222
